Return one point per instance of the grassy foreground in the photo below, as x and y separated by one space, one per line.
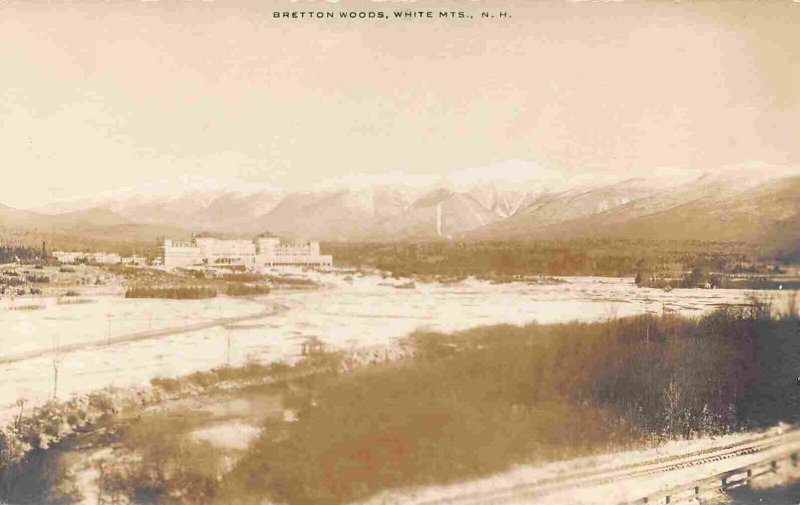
478 401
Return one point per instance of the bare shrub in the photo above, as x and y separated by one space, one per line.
475 402
164 464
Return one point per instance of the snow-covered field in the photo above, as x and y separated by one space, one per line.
364 311
66 321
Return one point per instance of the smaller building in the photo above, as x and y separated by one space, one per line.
67 257
105 258
134 260
70 257
175 253
273 253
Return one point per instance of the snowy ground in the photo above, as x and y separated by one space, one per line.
65 321
363 311
613 478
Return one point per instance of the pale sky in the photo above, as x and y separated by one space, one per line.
97 95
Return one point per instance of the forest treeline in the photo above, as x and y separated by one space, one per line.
12 253
601 257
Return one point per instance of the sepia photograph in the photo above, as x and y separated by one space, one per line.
399 252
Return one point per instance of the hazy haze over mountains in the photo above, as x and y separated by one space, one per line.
511 200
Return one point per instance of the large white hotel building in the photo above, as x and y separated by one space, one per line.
253 254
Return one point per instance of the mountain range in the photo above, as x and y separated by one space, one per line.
739 203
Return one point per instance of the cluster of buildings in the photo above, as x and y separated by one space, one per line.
263 251
99 258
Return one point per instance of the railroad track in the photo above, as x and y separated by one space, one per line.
528 491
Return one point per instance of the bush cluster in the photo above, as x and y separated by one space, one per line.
243 277
246 290
475 402
172 293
